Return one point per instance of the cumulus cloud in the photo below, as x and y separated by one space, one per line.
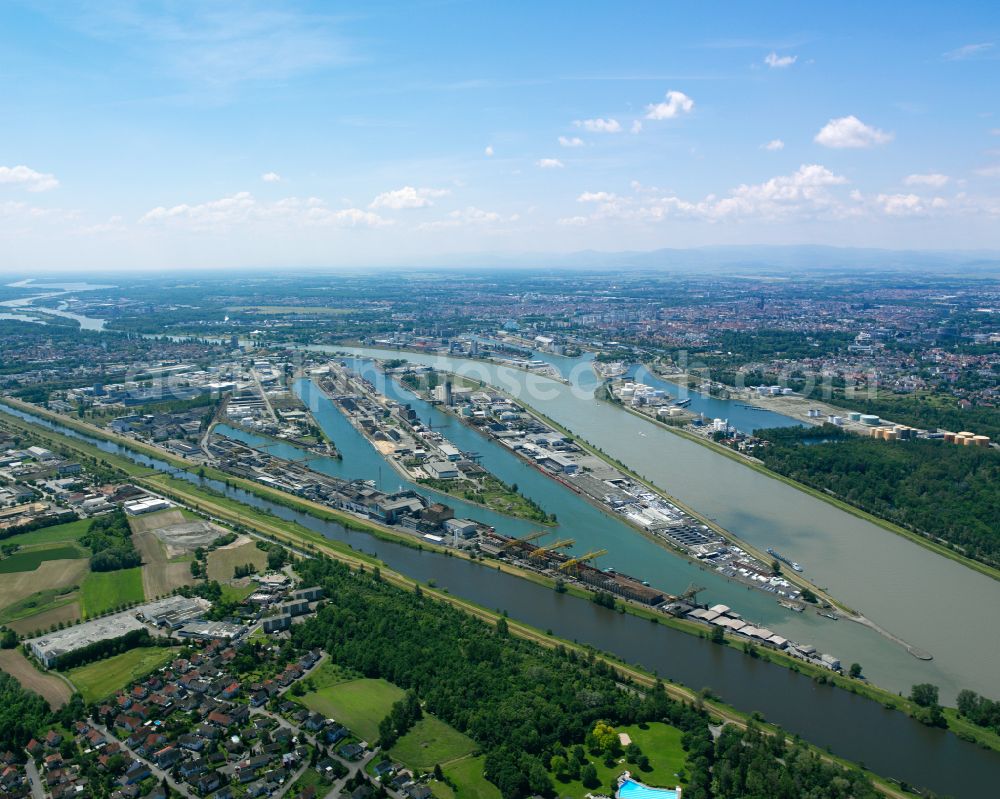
243 208
271 177
808 192
470 216
406 198
570 141
933 179
677 103
775 61
850 132
599 125
488 152
908 204
597 197
549 163
636 126
968 51
27 178
989 171
774 145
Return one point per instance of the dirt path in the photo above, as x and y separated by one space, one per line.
48 686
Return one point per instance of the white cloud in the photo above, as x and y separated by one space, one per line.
807 193
570 141
933 179
466 217
28 178
775 61
573 221
774 145
599 125
850 132
597 197
636 126
488 152
908 204
676 103
407 197
989 171
549 163
968 51
243 208
271 177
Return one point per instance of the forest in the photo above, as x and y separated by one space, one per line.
939 490
110 540
524 704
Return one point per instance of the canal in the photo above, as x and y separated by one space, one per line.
910 591
889 743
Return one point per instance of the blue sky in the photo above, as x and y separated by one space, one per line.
178 134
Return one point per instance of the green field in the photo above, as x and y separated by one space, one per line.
31 559
236 593
357 704
661 743
104 677
103 591
39 602
430 742
60 533
467 774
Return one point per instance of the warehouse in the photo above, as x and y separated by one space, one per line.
49 648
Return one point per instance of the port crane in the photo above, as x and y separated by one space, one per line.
691 592
573 563
527 539
544 549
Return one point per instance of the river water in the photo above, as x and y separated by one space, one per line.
929 601
890 743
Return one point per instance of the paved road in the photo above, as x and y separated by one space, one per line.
160 774
37 791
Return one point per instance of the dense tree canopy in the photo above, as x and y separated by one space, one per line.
937 489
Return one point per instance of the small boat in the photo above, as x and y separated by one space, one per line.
682 403
832 616
791 606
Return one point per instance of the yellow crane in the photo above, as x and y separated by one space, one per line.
544 548
572 563
527 539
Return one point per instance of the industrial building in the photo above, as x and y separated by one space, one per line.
50 647
173 611
210 630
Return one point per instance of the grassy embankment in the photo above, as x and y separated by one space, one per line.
294 534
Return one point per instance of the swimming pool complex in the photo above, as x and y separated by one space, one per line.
630 789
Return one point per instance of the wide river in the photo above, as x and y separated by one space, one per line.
890 743
927 600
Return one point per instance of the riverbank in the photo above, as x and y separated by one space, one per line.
238 512
830 499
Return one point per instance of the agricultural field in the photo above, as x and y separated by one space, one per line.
103 591
360 705
223 561
19 589
60 533
661 743
50 687
104 677
431 742
30 559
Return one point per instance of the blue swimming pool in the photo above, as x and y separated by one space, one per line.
630 789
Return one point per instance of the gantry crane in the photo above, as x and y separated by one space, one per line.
525 539
691 592
541 551
573 563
